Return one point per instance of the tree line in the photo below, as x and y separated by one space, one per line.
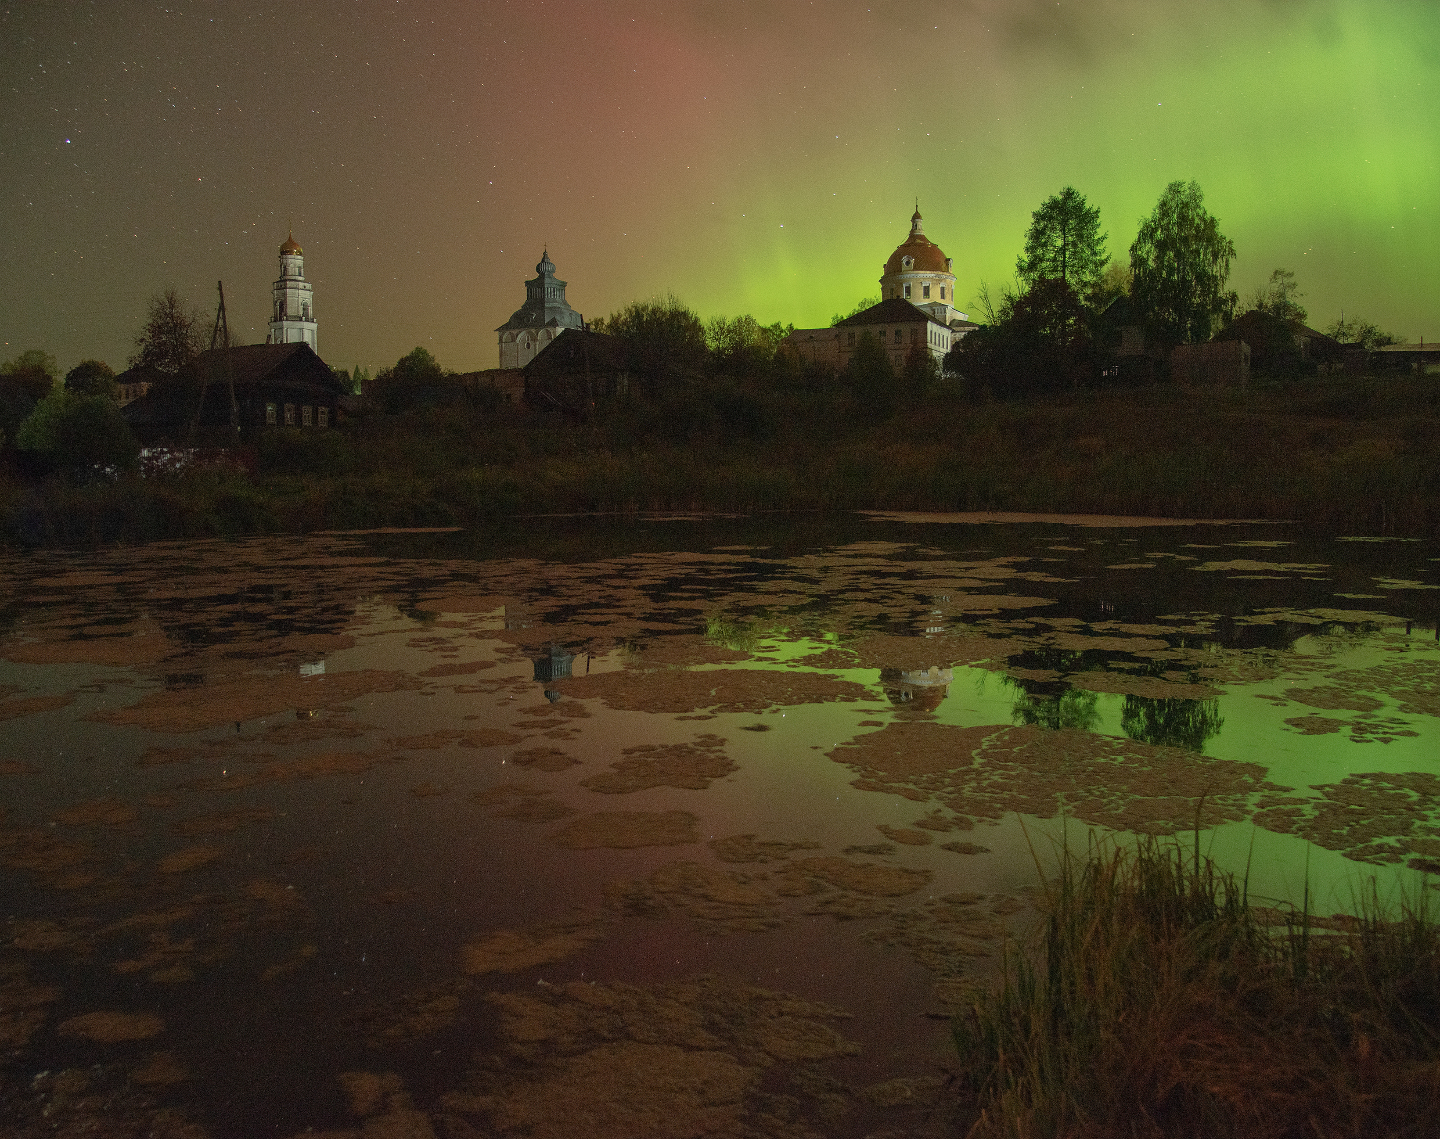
1054 326
733 377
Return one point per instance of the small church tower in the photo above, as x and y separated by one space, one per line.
544 316
292 316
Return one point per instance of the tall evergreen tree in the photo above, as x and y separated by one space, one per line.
1181 262
1064 243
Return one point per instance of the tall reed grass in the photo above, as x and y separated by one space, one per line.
1156 1001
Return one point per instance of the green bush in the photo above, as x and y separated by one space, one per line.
73 433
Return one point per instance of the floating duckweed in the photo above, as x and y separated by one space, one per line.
903 836
191 858
543 758
243 698
509 950
746 848
683 765
623 830
109 1027
719 690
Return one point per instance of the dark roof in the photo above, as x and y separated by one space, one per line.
895 310
1119 312
576 349
256 363
260 371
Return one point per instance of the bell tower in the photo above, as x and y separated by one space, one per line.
292 315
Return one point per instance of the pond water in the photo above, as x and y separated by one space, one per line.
663 827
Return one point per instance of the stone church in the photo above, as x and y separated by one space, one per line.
917 308
544 315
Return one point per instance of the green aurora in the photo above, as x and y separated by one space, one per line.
749 157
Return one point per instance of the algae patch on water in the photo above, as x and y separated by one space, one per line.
718 690
109 1027
684 765
237 699
509 950
701 1057
623 830
985 772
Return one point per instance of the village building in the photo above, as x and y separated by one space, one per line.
292 302
917 308
544 315
574 370
900 326
247 388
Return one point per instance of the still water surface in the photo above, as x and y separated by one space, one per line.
675 827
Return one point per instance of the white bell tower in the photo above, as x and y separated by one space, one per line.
292 316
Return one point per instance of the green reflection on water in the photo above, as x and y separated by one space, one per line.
1171 722
1074 708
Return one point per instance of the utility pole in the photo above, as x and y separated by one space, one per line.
219 339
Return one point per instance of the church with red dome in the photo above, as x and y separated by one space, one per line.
916 309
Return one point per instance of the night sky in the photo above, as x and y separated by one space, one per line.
748 157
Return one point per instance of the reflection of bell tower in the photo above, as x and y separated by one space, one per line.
292 315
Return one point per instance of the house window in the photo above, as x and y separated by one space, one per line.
897 336
289 415
269 415
305 416
322 416
925 289
942 292
907 292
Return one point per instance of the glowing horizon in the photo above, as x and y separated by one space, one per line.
752 157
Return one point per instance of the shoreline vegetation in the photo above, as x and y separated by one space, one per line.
1339 452
1155 1000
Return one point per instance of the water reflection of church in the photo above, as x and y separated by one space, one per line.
919 690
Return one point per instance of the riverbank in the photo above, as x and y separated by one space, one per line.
1157 1001
1341 453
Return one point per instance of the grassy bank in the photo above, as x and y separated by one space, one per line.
1359 455
1156 1002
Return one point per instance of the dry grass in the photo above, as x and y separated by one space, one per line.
1157 1003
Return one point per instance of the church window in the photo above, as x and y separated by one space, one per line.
926 290
269 415
289 415
942 292
907 292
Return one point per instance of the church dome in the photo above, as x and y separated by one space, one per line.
291 246
918 254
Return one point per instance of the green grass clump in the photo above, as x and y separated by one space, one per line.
1157 1002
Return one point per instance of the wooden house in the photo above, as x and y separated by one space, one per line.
245 390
